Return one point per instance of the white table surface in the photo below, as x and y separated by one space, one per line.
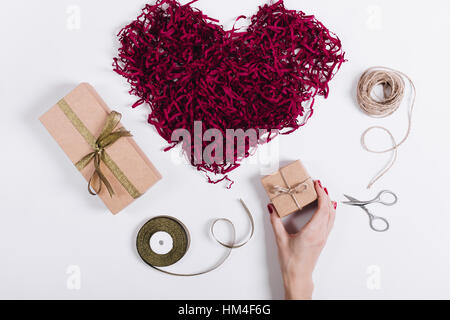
56 241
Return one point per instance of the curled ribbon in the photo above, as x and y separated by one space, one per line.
292 191
107 138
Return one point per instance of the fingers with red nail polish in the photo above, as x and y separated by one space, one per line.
320 184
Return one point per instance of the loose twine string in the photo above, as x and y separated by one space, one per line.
393 84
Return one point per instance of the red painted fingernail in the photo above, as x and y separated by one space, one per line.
320 183
335 205
326 191
269 207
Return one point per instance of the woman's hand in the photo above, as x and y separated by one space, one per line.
299 253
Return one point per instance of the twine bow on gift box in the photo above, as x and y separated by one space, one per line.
107 138
292 191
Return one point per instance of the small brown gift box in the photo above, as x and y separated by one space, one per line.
82 115
290 189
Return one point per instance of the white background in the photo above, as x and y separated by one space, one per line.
50 228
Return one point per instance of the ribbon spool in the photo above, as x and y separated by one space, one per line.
180 242
175 229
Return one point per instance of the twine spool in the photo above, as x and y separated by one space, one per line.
393 84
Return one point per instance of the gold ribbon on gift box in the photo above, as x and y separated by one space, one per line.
99 155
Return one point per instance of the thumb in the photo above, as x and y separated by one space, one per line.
280 232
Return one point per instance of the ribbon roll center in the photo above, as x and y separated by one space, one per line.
161 243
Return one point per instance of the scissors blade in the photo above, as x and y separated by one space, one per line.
352 202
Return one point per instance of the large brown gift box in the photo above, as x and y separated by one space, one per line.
290 189
83 114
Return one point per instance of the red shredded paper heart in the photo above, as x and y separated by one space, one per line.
187 68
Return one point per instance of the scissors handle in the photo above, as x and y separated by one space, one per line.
373 225
382 196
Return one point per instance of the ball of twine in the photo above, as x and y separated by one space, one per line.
393 84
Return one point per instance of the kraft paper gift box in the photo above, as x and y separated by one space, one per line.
75 122
290 189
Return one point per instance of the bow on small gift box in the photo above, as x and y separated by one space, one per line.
290 189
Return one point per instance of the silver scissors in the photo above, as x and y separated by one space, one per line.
378 199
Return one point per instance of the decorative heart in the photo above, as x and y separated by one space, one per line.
187 68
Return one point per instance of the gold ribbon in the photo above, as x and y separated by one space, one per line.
292 191
181 239
106 138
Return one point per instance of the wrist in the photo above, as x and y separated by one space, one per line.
298 286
